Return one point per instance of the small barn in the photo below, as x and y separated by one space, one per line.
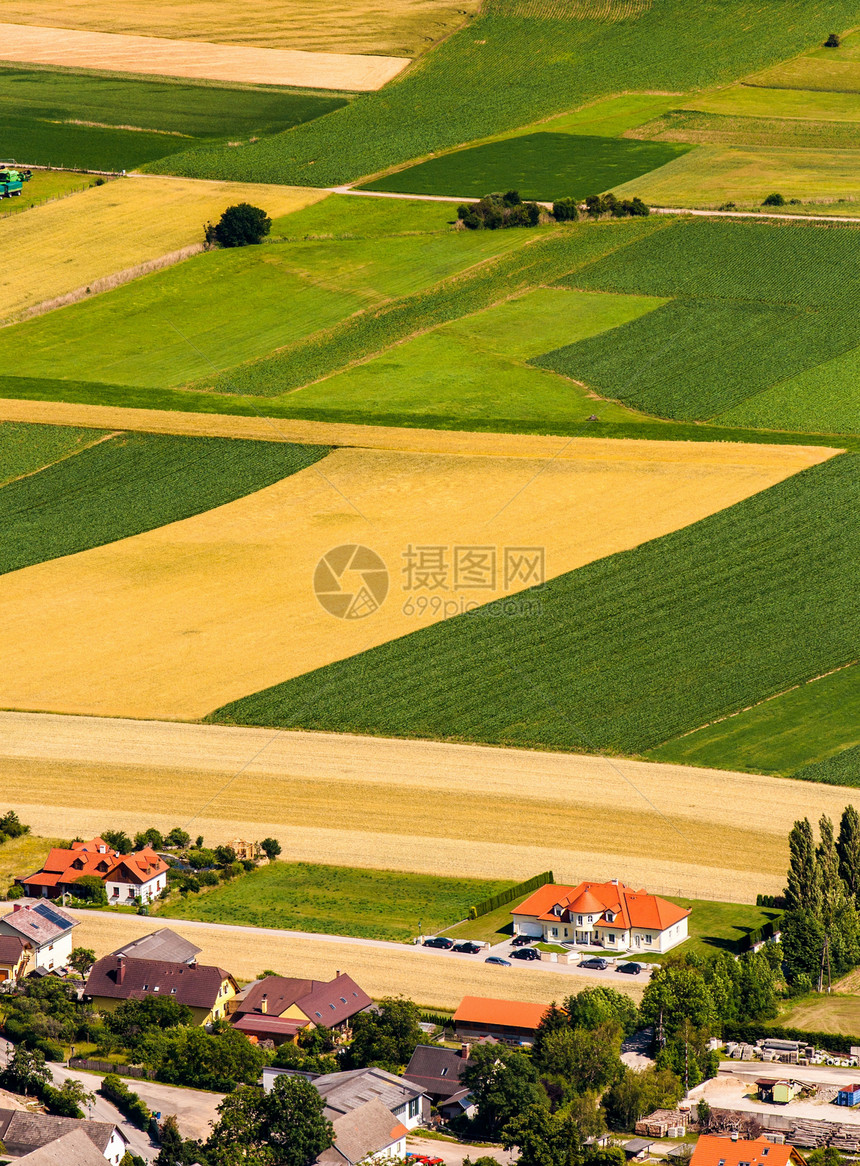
848 1095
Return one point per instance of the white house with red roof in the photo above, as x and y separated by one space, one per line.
127 877
609 915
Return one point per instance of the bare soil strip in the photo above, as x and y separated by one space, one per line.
412 805
73 48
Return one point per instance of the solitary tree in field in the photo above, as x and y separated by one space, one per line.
271 847
239 226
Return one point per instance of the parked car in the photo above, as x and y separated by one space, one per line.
468 948
630 969
526 953
522 940
497 959
440 941
597 963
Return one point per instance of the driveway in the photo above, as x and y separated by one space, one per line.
453 1154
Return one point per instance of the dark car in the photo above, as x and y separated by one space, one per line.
597 963
630 969
497 959
527 953
522 940
467 948
440 941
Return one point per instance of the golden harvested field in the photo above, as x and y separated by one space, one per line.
125 223
431 979
180 620
74 49
413 805
400 28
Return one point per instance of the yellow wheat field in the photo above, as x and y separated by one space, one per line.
180 620
429 807
392 27
58 248
430 979
76 49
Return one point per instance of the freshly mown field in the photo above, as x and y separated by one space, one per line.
127 484
832 74
433 979
625 653
516 64
128 222
838 1012
476 366
26 449
338 900
178 325
678 831
741 321
699 128
758 101
387 27
186 617
775 736
61 118
542 165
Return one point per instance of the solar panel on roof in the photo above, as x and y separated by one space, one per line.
52 917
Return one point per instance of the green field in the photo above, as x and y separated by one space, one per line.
540 165
759 101
832 74
741 322
698 128
625 653
776 736
837 1013
131 483
61 118
476 367
25 449
839 769
517 63
712 925
338 900
44 186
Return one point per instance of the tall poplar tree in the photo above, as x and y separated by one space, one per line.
848 849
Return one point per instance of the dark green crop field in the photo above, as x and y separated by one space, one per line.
131 483
624 653
840 769
742 322
545 166
59 118
25 449
522 61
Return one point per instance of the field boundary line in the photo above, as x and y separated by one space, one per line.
63 457
106 283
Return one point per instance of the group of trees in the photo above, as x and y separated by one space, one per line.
598 205
11 826
495 211
821 927
28 1073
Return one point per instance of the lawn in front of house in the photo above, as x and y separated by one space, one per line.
338 900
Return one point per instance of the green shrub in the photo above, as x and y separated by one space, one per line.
240 226
774 200
833 41
565 210
115 1090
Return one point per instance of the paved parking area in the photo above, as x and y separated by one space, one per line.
506 950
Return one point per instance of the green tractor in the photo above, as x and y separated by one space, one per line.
12 181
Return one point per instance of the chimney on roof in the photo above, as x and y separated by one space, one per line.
338 973
120 968
17 906
465 1051
264 1003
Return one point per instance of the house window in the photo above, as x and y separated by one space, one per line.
413 1107
611 937
579 917
318 1015
648 940
590 918
343 999
173 991
444 1071
333 1007
554 930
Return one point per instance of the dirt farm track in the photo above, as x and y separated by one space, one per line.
422 806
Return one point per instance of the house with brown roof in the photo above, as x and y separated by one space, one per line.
609 915
510 1021
73 1149
14 958
369 1132
128 878
711 1150
22 1132
205 989
437 1070
46 932
279 1007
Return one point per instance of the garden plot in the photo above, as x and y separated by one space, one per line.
177 621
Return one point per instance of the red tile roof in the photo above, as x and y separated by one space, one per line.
480 1010
328 1002
118 978
716 1151
66 865
627 907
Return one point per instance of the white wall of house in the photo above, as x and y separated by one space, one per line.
397 1150
409 1113
128 892
116 1148
52 955
644 940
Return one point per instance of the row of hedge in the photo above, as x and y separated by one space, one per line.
833 1042
775 901
115 1090
759 934
516 892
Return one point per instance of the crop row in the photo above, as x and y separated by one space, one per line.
540 260
624 653
133 483
507 69
841 769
